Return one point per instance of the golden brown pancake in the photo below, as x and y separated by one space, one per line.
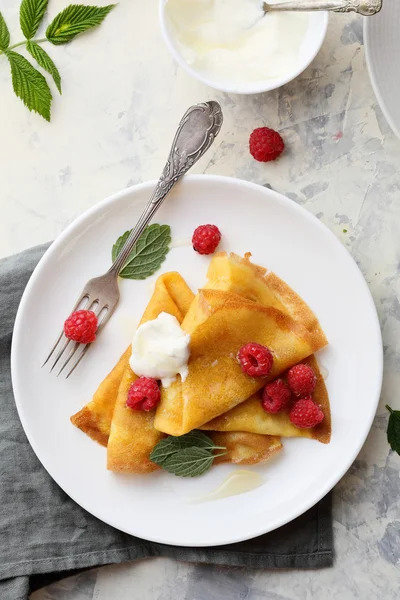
245 448
171 295
133 435
232 273
215 382
251 417
235 274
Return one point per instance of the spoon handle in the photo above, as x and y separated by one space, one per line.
362 7
197 130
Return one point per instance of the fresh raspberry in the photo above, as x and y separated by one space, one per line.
301 380
81 326
206 239
255 360
266 144
305 413
144 394
276 396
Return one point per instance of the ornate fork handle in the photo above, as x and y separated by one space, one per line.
362 7
196 132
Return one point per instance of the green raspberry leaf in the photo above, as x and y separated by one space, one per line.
31 14
4 34
393 430
30 85
75 19
148 253
44 61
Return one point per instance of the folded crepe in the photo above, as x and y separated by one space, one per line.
232 273
251 417
171 295
220 323
133 434
245 448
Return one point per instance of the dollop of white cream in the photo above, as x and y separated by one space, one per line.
160 349
233 41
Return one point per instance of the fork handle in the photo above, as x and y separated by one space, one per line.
362 7
197 130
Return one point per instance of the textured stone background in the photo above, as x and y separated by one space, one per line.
112 128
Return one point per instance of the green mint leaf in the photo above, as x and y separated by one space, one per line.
31 14
393 430
44 60
171 444
30 85
187 455
148 253
119 244
4 34
189 462
75 19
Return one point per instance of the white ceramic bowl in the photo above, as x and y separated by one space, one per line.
311 45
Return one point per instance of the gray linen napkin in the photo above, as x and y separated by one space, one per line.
44 535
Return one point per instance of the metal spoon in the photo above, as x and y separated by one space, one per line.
367 8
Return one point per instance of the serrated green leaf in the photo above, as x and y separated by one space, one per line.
171 444
148 253
393 430
30 85
75 19
4 34
189 462
31 14
44 60
119 244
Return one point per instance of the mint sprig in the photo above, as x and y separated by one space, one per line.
187 455
393 430
148 253
29 84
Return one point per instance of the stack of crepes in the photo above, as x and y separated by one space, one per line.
240 303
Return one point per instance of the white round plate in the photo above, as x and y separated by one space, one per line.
382 47
282 236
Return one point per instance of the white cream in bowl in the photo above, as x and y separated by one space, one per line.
231 45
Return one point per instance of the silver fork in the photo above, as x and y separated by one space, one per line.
197 130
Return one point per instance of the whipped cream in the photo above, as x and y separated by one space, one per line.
160 349
232 41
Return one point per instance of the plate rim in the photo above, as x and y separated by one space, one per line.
368 23
330 483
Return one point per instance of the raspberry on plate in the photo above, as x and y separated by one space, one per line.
301 380
81 326
255 360
206 239
276 396
305 413
266 144
144 394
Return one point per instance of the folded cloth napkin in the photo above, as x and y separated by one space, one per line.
44 535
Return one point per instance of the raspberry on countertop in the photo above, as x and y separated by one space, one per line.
266 144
